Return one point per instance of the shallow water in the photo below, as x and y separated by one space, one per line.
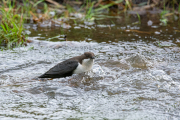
135 75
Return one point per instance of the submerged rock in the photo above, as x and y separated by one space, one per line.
136 61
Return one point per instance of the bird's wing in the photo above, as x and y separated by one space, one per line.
62 69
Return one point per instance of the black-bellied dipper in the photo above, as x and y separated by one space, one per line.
75 65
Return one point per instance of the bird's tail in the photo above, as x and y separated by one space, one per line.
43 76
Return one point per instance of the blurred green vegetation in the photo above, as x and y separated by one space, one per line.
14 13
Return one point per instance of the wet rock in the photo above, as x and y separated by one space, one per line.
160 75
87 80
51 94
149 23
81 80
176 49
112 63
136 61
35 90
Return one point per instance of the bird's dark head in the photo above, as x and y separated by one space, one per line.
89 55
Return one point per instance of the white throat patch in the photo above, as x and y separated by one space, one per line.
84 67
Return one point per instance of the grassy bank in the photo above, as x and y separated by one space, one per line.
11 29
14 13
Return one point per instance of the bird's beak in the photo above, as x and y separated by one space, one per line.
93 57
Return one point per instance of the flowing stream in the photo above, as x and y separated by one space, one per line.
136 74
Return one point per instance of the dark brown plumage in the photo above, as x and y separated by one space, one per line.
67 67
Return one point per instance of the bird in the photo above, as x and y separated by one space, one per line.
75 65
